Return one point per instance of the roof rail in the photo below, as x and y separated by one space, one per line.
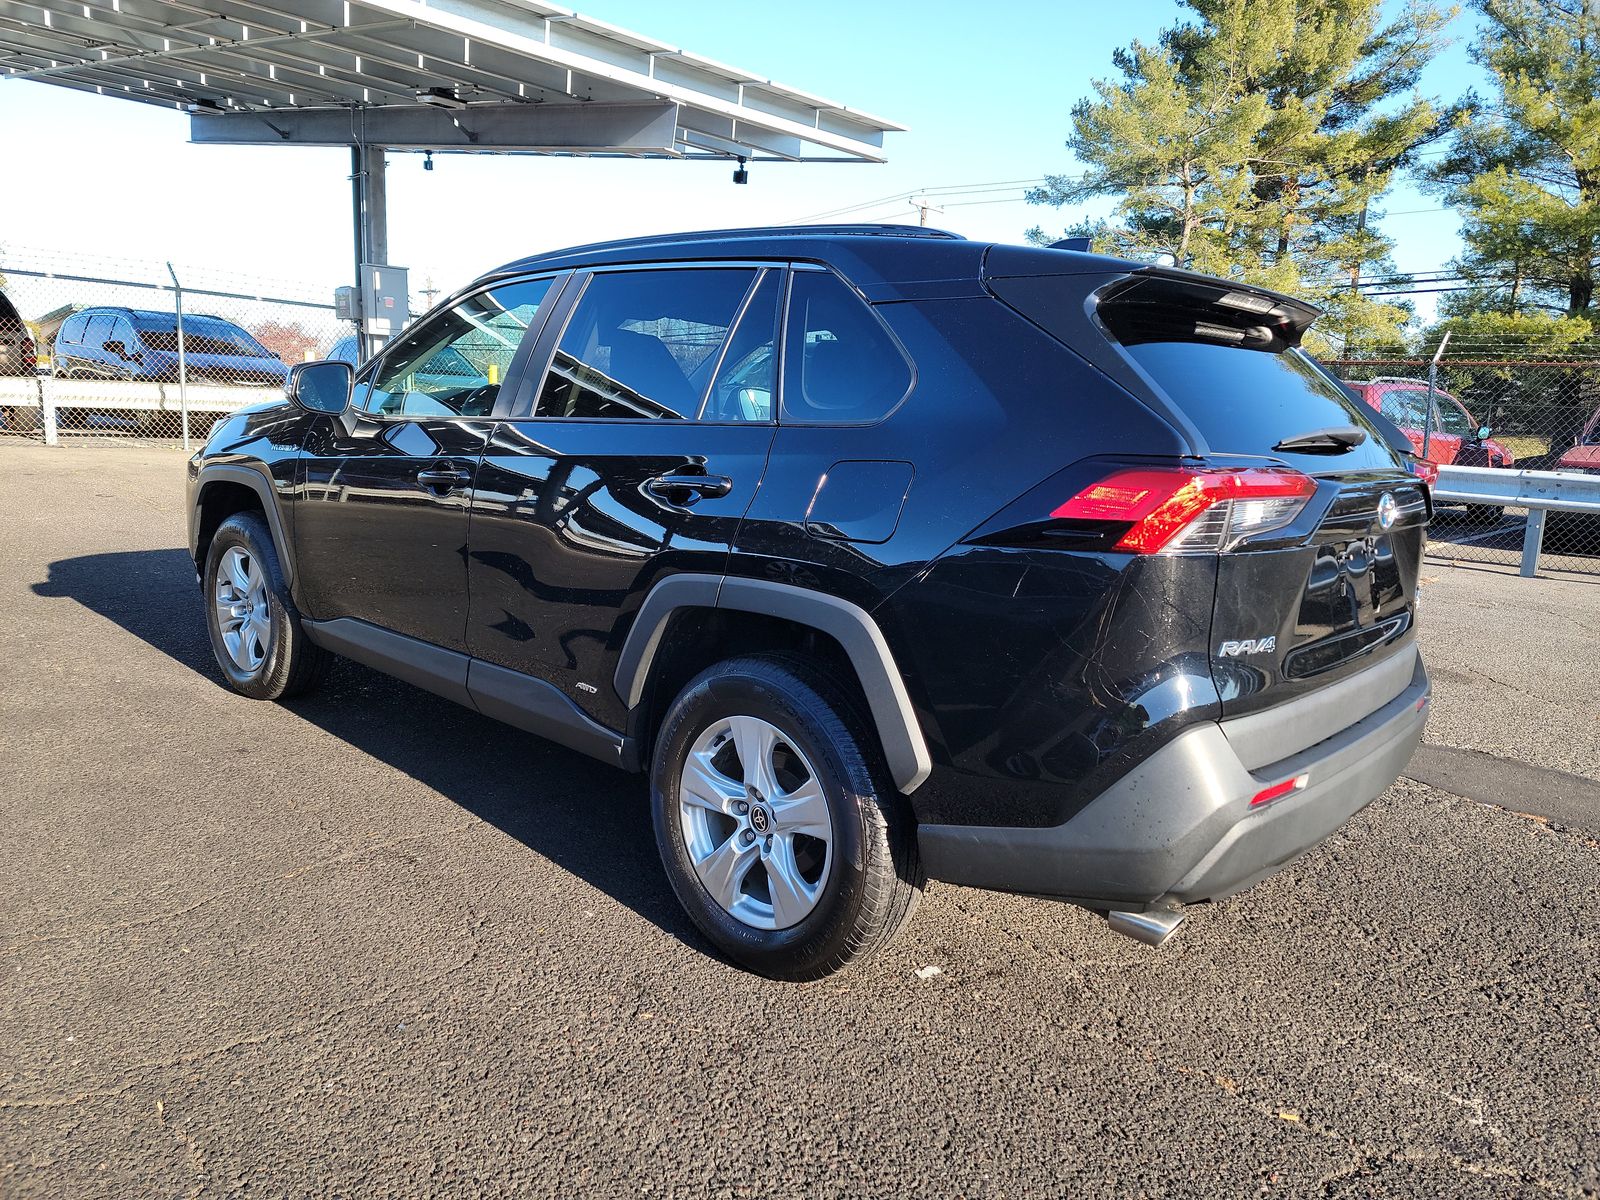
758 231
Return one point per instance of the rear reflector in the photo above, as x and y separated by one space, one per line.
1279 790
1191 510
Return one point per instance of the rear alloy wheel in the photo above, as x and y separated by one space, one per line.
779 832
755 822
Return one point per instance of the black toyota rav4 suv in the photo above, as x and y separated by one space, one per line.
887 555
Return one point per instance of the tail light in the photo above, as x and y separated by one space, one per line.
1426 471
1185 510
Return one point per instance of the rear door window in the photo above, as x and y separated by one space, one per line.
841 365
747 381
99 331
122 331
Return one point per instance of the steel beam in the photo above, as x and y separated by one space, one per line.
646 128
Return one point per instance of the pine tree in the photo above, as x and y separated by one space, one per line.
1254 140
1525 169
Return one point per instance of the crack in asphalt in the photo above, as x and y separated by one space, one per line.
238 889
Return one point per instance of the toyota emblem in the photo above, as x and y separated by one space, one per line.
1388 511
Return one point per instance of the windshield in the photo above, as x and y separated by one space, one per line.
201 335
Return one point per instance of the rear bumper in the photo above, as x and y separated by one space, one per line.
1180 827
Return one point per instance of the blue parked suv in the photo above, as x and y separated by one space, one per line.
131 343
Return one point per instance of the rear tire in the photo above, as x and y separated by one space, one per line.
256 634
820 869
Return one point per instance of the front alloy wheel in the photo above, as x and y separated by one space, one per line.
244 617
755 823
256 635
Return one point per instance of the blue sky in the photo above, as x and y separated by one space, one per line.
985 91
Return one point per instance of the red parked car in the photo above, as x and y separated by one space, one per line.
1585 452
1457 438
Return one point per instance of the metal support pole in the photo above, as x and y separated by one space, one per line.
1433 386
1532 542
358 233
183 363
369 196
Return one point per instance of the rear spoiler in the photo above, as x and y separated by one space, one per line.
1144 305
1225 303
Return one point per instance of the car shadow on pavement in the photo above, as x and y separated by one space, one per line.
589 819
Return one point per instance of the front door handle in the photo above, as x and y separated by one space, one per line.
443 479
686 489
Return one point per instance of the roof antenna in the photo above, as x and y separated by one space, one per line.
740 175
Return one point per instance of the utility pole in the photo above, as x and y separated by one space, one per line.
924 206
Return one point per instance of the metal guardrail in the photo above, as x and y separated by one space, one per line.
1540 492
55 399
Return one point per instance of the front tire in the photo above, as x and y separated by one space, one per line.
775 822
256 634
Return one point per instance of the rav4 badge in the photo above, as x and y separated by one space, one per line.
1249 646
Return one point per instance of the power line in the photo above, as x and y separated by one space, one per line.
952 189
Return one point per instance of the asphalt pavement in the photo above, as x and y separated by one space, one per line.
372 944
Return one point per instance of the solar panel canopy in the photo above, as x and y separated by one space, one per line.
485 76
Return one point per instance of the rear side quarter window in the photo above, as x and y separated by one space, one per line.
841 364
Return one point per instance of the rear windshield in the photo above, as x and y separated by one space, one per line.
1239 375
1246 401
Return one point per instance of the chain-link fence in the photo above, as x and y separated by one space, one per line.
1497 405
141 350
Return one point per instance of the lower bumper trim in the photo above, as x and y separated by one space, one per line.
1180 826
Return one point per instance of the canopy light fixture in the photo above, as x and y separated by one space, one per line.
440 97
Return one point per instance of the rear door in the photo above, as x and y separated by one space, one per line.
635 456
380 523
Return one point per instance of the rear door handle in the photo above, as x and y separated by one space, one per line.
445 479
671 487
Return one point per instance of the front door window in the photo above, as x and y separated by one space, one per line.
453 364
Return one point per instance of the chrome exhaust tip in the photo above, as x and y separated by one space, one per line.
1151 928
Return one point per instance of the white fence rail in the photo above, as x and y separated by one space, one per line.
102 403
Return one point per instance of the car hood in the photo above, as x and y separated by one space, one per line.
1580 458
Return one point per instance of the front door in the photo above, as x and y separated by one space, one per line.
380 524
644 447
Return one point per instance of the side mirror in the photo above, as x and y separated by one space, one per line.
1483 432
116 348
321 387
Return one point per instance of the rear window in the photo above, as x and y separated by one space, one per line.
1236 371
